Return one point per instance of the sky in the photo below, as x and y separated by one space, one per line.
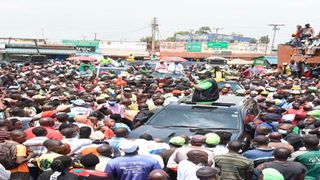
130 19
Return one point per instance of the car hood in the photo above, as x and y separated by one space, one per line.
166 133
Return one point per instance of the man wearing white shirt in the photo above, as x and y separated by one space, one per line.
4 174
187 168
176 68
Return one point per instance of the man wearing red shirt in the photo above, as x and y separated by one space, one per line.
48 124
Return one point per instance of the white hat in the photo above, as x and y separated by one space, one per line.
128 146
97 135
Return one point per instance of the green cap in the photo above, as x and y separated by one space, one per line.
272 174
178 141
312 88
212 139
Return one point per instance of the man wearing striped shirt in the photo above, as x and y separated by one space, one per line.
233 165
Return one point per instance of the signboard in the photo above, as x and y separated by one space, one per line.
81 43
194 47
123 48
218 45
85 49
259 61
173 46
211 37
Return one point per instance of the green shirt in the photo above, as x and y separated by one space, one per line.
205 84
311 160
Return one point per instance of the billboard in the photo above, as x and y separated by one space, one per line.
173 46
124 48
194 46
210 37
218 45
84 47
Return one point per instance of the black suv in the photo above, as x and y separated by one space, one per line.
185 118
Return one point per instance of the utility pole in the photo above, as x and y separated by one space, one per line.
217 30
42 33
154 29
95 36
265 53
275 29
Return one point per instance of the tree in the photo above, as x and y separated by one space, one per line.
253 40
203 30
264 40
146 39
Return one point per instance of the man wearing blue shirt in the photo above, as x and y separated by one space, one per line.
131 166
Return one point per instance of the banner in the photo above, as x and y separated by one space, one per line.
218 45
194 47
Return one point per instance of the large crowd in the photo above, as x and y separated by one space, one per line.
60 123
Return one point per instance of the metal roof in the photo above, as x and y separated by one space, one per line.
42 51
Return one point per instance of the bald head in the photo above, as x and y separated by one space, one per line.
158 174
310 141
263 130
52 144
105 150
235 146
5 125
198 156
261 140
281 154
46 122
121 132
275 136
18 136
69 132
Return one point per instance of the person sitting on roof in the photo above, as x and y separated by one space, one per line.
161 67
206 91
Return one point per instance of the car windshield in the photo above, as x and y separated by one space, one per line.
213 118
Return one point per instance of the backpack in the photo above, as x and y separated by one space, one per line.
8 154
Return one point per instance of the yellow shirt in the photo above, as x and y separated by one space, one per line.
21 151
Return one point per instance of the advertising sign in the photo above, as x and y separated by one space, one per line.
194 46
218 45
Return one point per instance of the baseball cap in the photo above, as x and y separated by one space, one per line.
177 140
272 174
212 139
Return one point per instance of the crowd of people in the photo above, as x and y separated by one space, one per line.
57 124
305 37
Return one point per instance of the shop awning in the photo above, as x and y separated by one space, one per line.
42 51
272 60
